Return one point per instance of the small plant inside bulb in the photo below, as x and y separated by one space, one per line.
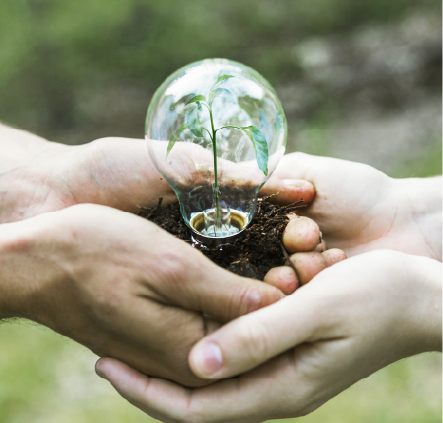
218 219
216 131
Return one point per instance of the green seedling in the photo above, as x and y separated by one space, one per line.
193 123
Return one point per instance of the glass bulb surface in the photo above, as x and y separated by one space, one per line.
215 131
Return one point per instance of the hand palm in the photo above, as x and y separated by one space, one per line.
357 207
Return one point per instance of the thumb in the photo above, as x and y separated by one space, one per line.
253 339
288 191
219 293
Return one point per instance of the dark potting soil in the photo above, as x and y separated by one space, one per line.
252 256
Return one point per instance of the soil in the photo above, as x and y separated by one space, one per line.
252 256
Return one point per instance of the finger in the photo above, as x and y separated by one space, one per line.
308 265
288 191
320 248
200 285
250 398
159 398
246 342
226 296
334 255
301 234
283 278
303 166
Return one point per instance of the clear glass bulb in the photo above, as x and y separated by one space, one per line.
215 131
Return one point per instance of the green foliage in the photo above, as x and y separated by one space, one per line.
54 52
222 93
174 137
195 125
260 146
196 99
194 122
222 77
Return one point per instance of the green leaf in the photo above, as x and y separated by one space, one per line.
174 137
194 122
196 99
222 76
222 93
260 146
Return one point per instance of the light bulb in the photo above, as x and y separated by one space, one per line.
215 131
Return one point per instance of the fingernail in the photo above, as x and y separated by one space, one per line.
207 359
295 182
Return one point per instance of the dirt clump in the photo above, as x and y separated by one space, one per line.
253 255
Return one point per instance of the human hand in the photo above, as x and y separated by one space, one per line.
37 176
349 321
121 286
360 209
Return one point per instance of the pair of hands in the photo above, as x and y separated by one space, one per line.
349 321
354 208
110 280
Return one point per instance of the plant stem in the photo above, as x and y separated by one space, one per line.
210 136
214 148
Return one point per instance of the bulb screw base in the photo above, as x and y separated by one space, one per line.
232 227
212 241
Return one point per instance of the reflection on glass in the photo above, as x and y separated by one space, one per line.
216 131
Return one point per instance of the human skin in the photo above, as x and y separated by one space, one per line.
88 273
358 209
38 176
120 286
351 320
79 259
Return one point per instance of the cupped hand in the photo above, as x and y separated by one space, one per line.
360 209
37 176
349 321
121 286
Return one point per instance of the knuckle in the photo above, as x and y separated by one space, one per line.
106 302
250 300
172 267
253 299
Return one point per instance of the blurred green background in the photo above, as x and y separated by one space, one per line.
359 80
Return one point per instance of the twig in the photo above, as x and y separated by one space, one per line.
160 200
291 207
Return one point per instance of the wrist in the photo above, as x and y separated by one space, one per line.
419 215
427 315
27 268
31 174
